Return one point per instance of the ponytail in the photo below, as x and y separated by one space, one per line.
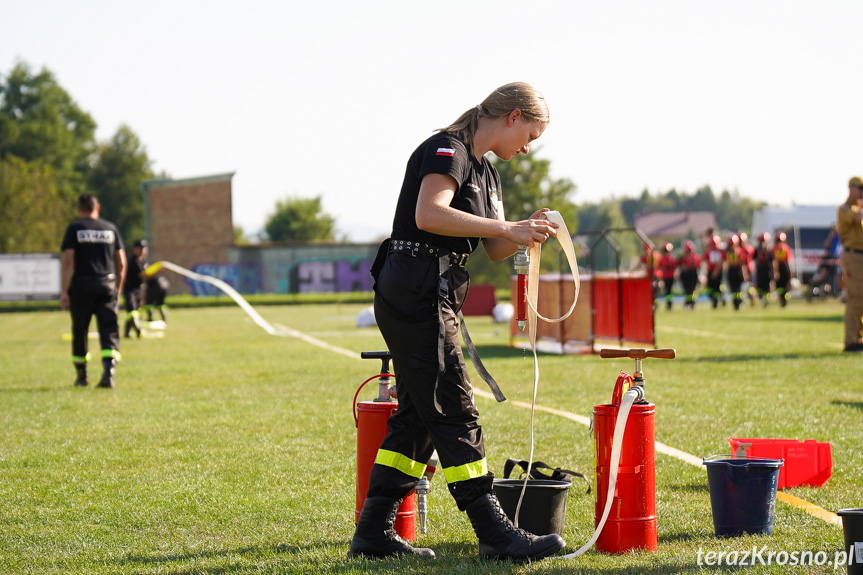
509 97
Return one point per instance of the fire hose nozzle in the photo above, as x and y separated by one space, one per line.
422 490
522 268
522 260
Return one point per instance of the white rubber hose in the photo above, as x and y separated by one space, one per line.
626 402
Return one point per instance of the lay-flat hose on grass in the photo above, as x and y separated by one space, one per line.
278 331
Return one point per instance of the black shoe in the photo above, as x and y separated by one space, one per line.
376 535
109 368
81 380
854 347
500 539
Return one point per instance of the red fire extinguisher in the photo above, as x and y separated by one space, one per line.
631 523
370 418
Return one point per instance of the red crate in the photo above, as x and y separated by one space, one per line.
806 462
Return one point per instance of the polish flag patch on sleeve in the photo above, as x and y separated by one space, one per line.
445 152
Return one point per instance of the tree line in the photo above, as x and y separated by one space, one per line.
49 155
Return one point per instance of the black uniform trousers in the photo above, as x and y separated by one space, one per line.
436 410
132 299
734 275
714 286
156 291
89 296
689 279
783 282
763 277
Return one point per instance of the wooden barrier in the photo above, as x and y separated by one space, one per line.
614 309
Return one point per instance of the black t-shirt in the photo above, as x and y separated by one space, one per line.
94 242
477 193
133 274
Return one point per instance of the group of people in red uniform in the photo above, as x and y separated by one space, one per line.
756 271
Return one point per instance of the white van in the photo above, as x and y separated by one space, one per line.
807 228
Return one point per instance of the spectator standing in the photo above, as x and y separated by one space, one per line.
850 224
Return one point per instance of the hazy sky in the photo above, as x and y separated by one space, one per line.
312 98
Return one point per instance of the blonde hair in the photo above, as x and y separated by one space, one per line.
509 97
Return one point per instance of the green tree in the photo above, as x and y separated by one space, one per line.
734 213
596 218
120 166
39 121
298 220
601 216
240 237
703 200
527 186
35 215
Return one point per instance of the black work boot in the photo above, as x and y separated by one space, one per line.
376 535
81 369
500 539
108 369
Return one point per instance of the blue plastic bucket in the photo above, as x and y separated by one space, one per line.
742 493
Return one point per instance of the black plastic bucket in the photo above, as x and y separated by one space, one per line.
543 509
852 526
742 493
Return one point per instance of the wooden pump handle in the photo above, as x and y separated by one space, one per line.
664 353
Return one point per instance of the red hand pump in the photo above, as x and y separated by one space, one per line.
371 418
632 522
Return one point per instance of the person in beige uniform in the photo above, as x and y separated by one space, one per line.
850 227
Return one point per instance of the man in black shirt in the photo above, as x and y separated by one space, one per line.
94 267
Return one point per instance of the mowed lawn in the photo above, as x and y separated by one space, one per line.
227 450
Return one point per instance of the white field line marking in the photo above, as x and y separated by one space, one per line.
806 506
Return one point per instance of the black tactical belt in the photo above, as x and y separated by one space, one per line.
421 250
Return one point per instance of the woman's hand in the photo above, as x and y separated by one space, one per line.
535 229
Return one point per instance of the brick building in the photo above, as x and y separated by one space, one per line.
188 222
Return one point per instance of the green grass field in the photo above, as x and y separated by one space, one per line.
225 450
